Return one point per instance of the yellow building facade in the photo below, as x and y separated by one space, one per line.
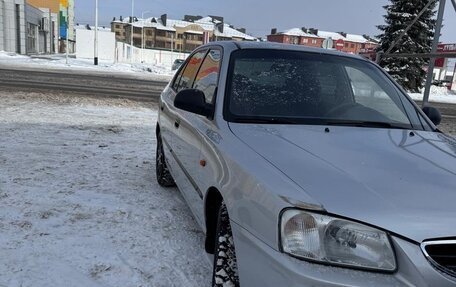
54 5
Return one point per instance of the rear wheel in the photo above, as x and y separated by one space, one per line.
164 177
225 272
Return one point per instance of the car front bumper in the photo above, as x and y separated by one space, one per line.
261 265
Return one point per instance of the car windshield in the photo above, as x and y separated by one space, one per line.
274 86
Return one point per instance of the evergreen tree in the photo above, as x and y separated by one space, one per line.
409 72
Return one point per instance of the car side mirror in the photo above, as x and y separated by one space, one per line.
193 101
433 114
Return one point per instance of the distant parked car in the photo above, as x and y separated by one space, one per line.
308 167
177 63
442 83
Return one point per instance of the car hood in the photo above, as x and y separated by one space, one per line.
385 177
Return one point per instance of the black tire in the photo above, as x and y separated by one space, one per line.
225 272
164 177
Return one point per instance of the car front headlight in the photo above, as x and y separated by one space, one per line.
330 240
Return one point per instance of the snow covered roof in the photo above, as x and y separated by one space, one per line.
155 24
194 32
360 39
207 20
298 32
333 35
207 24
356 38
348 37
230 32
124 20
85 27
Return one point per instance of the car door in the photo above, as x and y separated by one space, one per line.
192 129
178 163
168 117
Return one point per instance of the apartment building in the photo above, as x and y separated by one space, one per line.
119 27
349 43
176 35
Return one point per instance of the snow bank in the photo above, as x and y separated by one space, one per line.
438 95
80 203
11 56
58 61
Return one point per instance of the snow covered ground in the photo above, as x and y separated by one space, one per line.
58 61
79 201
438 95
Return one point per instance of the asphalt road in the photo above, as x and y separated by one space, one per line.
93 84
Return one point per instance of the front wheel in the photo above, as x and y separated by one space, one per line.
225 272
164 177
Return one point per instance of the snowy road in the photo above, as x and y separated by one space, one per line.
144 87
79 202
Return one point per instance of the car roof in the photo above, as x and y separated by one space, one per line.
243 45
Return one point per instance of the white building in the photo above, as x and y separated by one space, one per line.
12 26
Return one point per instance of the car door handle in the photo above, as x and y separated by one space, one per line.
177 124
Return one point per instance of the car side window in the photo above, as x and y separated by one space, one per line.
369 94
207 78
189 72
175 84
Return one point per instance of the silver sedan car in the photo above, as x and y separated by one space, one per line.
307 167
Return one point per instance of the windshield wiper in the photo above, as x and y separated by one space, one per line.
264 120
349 123
367 124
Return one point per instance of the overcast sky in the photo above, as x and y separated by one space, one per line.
259 16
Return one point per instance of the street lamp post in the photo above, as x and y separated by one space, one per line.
435 43
131 30
95 52
142 38
67 35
